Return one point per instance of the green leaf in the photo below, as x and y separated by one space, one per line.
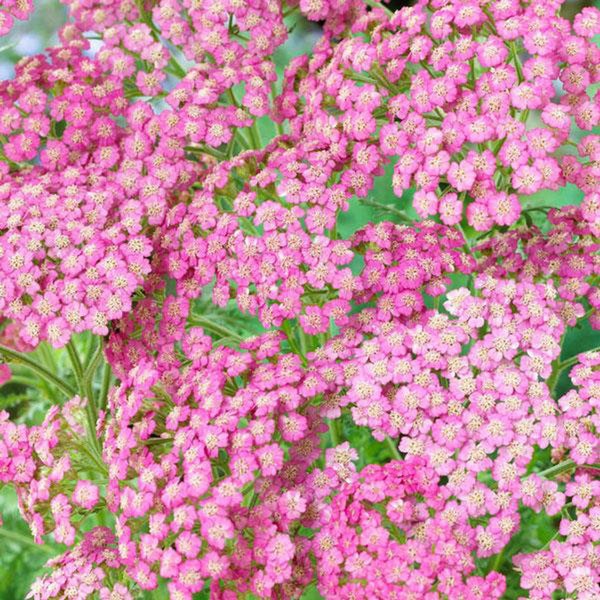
11 400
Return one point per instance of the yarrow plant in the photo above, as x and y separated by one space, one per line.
304 329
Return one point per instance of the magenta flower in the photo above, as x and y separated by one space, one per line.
277 376
85 494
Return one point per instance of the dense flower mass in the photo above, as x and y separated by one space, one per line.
262 376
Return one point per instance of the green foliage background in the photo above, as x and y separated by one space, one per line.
21 560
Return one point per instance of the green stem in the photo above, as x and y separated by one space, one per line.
212 327
85 388
359 78
393 447
11 355
88 379
304 347
289 334
555 536
565 364
243 140
204 149
552 381
587 315
248 226
22 380
498 560
515 56
92 420
558 469
13 536
386 208
106 377
334 432
382 81
232 98
75 363
229 150
47 356
49 361
94 454
94 361
174 67
278 126
255 136
464 234
543 209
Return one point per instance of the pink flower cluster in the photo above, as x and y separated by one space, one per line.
445 90
280 262
195 55
201 473
174 426
76 222
39 461
567 254
257 334
390 533
79 572
571 561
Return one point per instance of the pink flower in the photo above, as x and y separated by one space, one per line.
527 180
587 22
314 321
85 494
461 176
504 208
5 373
451 209
582 581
